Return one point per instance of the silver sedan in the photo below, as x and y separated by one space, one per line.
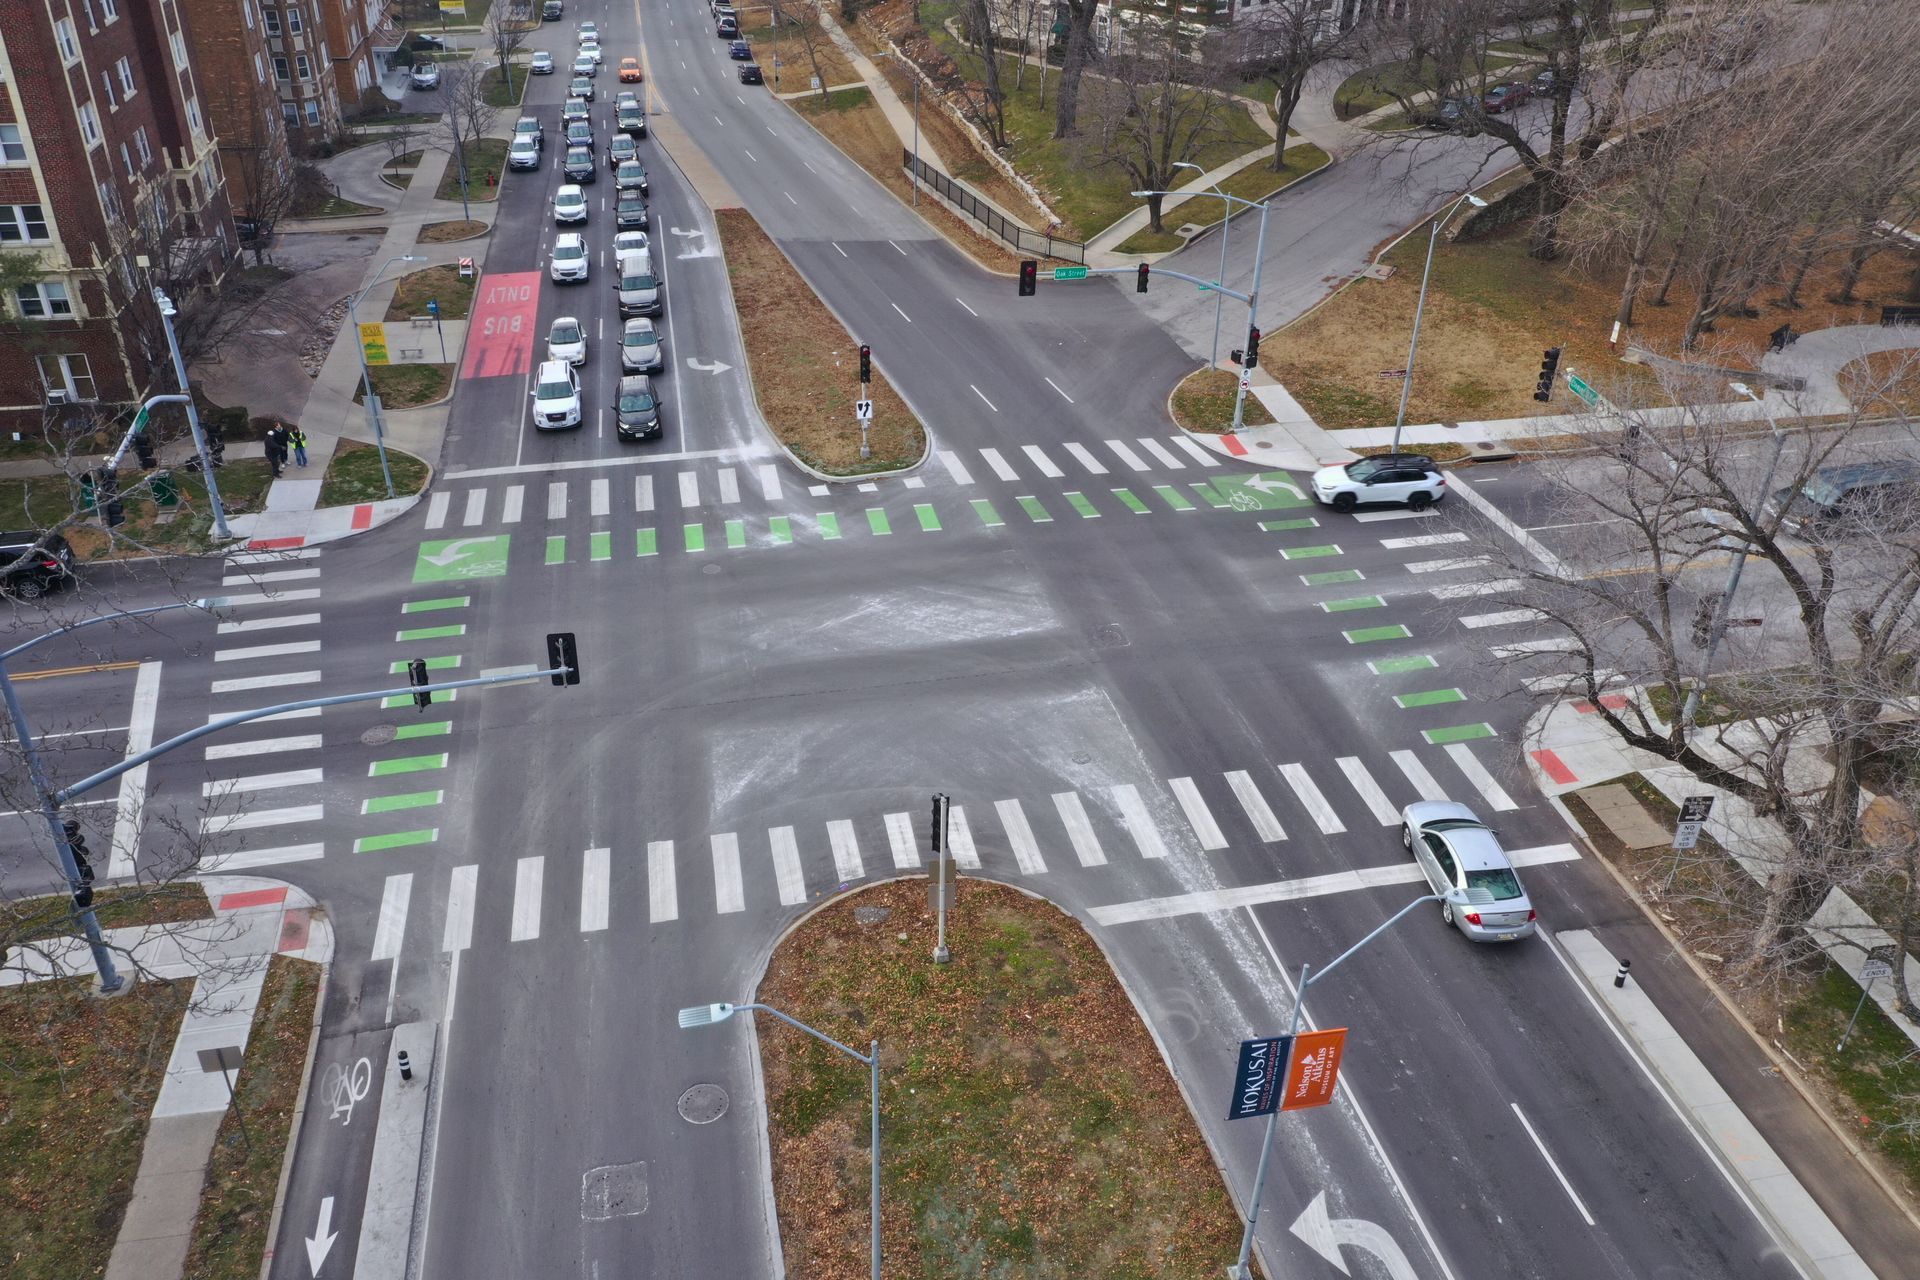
1462 859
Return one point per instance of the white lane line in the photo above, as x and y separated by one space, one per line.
124 845
263 746
750 155
999 464
392 926
248 579
437 506
1315 803
1073 814
906 853
476 507
1505 618
1139 823
897 249
267 624
1552 1164
836 248
556 499
529 876
970 310
769 481
596 896
729 486
960 838
1026 851
728 896
1422 540
220 824
510 508
1126 455
1369 791
305 713
643 493
266 651
600 497
1374 517
274 557
983 398
846 850
903 315
1199 817
1265 825
689 489
1041 461
1555 644
1381 877
278 855
955 468
1160 454
786 867
811 169
1205 457
790 199
458 933
261 782
1484 782
1467 590
1417 774
663 898
1479 502
1448 566
1084 456
1056 387
270 597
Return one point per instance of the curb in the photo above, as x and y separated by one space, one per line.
1233 214
299 1115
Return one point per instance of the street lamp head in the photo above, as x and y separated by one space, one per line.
702 1015
1742 389
1476 201
1140 195
409 257
1187 164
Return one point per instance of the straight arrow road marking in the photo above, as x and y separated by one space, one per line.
321 1241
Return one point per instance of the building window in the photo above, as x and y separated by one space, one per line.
13 148
141 145
68 40
126 158
290 113
110 9
246 11
304 67
259 69
86 7
193 118
179 49
272 18
22 222
106 88
89 124
124 69
294 22
71 374
313 112
279 68
110 202
45 301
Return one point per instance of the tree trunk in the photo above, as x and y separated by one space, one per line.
1637 267
1679 251
1079 49
1543 242
1793 895
1153 213
1285 99
1850 277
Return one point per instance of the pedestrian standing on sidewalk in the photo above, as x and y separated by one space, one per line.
276 449
298 439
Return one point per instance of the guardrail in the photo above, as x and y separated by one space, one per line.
1003 228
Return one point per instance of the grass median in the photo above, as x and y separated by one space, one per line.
804 364
443 284
1256 182
354 475
484 156
1204 402
1028 1123
407 386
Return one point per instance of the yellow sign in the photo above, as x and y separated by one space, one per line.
373 341
453 8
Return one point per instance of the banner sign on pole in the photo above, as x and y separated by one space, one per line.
1256 1084
1314 1069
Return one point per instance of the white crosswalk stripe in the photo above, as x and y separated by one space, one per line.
663 896
960 839
1311 798
304 713
279 556
846 851
267 624
236 599
1041 461
1139 823
769 481
1084 456
243 684
1422 540
955 468
556 499
510 508
461 887
529 876
1369 791
392 925
999 465
1126 455
263 746
1505 618
1477 774
1073 816
247 859
250 578
1198 452
476 507
1265 825
1417 774
1521 649
437 508
689 489
252 652
600 497
643 493
1467 590
786 866
729 894
1199 817
906 854
1160 453
1026 850
596 889
729 486
221 823
261 782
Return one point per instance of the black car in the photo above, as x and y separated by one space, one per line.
579 166
32 564
551 10
580 134
631 121
636 411
750 73
621 148
630 211
739 51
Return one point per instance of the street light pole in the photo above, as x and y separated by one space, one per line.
1419 309
165 304
370 401
1253 320
707 1014
1226 229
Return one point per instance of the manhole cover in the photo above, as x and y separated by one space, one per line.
871 915
1082 757
1110 637
613 1191
378 736
703 1104
711 568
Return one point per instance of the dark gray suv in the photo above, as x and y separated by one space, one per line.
32 564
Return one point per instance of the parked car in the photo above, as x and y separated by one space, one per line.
630 71
631 176
620 149
566 340
640 349
739 51
1451 116
1505 97
569 261
750 73
427 40
581 87
1547 82
638 290
1462 859
425 75
32 564
577 166
1411 478
523 153
529 127
636 413
556 396
573 109
569 204
541 63
580 134
726 28
632 121
630 210
1851 497
551 10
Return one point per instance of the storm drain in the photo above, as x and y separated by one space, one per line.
379 736
613 1191
703 1104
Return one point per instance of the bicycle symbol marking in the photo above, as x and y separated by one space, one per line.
342 1087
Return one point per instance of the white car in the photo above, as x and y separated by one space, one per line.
591 49
640 346
588 31
566 340
569 261
629 242
1464 863
523 153
556 397
1410 478
542 64
569 205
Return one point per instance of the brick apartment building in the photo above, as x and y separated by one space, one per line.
109 186
360 37
248 104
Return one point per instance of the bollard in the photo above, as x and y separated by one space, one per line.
1619 975
406 1066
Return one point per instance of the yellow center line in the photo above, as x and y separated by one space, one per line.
78 671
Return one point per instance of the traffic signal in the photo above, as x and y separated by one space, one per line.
143 450
866 363
1029 276
561 653
77 843
418 678
107 495
1549 362
1253 348
1140 282
939 827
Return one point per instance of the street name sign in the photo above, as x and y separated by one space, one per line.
1069 273
1580 387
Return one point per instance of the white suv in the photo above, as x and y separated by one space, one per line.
1410 478
569 205
556 397
569 258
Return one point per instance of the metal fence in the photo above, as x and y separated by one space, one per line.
1003 228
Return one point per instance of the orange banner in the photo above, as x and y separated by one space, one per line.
1314 1069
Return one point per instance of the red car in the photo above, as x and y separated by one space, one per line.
1504 97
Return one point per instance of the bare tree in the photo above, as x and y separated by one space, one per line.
984 102
1081 54
1151 108
469 117
506 30
1284 43
800 19
399 141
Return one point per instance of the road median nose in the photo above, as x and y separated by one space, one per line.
393 1176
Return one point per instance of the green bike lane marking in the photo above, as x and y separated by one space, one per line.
1310 553
877 521
1366 635
736 534
1133 504
645 542
1458 733
1173 497
410 800
443 602
1352 603
407 764
1281 526
600 545
780 529
453 559
696 536
1331 577
1400 666
1431 698
556 548
406 700
988 516
1080 503
1035 512
426 729
1262 491
829 525
432 633
446 662
398 840
1208 494
929 518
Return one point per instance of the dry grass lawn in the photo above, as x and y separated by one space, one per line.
1029 1126
796 68
945 135
1491 310
1886 382
442 284
447 232
805 366
1204 402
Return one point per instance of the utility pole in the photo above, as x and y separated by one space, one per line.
369 401
1253 325
167 312
863 407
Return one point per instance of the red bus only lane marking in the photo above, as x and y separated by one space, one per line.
500 335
